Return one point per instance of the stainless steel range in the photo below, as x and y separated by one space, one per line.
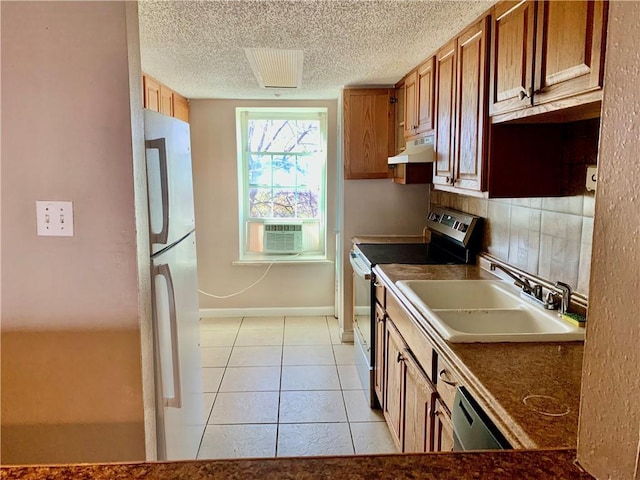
455 238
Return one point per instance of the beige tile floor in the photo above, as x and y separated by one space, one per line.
284 386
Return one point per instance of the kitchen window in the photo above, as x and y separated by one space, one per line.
282 158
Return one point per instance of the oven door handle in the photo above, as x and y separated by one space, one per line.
359 268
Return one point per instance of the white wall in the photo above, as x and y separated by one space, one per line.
214 153
71 353
609 430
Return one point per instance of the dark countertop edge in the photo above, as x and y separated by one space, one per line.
514 433
488 465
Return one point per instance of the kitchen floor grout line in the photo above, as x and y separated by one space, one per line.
278 423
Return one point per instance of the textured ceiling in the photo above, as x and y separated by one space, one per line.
196 48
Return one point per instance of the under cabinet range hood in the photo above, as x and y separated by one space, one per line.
416 151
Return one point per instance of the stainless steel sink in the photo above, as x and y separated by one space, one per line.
465 311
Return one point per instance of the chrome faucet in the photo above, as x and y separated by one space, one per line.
534 290
566 296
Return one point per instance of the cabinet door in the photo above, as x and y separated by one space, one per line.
379 352
569 48
443 429
166 100
400 123
410 103
445 103
393 382
471 107
151 93
418 408
180 107
512 39
368 116
425 87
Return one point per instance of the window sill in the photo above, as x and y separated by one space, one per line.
256 260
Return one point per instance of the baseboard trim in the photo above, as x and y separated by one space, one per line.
346 337
267 312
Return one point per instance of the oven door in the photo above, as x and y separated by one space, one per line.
362 322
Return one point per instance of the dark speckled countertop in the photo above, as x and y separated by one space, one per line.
530 390
520 465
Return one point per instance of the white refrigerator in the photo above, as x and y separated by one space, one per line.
180 421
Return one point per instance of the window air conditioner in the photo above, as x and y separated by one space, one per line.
282 238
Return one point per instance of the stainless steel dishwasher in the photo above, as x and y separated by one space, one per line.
472 428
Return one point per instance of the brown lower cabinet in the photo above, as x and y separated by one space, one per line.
442 429
419 401
393 390
378 378
414 384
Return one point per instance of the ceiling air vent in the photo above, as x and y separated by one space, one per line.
276 68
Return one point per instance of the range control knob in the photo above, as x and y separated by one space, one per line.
462 227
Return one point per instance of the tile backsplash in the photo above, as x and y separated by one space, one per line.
548 237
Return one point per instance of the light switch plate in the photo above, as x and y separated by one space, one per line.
54 218
592 178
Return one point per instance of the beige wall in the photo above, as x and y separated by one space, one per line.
378 207
609 431
71 367
214 153
548 237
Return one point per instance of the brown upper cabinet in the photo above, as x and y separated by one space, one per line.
151 93
445 99
546 55
166 100
180 107
418 100
461 111
369 132
160 98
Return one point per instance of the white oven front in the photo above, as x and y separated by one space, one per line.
362 322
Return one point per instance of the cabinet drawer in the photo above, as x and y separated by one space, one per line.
446 383
417 342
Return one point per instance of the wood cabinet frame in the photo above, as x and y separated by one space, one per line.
461 138
369 132
162 99
547 56
406 362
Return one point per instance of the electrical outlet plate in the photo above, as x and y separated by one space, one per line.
54 219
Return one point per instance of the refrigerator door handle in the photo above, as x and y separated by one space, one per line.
160 144
176 400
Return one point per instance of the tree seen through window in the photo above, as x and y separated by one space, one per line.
285 168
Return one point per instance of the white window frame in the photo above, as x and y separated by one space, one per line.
243 114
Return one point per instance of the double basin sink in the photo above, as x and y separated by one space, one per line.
465 311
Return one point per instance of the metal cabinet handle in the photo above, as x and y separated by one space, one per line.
524 93
442 376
